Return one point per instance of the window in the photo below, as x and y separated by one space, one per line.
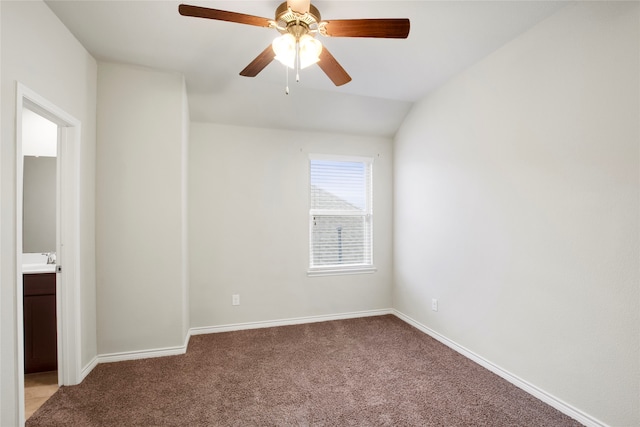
340 215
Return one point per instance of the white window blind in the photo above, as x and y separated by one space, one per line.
340 215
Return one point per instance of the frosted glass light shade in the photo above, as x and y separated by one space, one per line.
285 50
310 49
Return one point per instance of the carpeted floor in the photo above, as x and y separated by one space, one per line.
373 371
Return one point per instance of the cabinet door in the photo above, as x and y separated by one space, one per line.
40 331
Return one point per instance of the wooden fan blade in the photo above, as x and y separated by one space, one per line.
332 68
222 15
300 6
259 63
379 28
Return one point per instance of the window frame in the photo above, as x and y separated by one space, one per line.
335 269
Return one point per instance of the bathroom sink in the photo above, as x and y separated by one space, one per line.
36 263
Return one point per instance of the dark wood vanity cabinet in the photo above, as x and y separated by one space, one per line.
40 331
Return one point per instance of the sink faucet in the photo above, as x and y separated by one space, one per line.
51 257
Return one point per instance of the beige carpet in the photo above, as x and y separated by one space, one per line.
375 371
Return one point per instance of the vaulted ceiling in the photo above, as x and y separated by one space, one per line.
389 75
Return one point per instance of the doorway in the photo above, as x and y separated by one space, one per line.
52 234
39 249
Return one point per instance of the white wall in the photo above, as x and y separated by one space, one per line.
516 188
140 209
38 51
249 230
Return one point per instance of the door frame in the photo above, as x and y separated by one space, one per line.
67 239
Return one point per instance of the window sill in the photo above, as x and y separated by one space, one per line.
336 271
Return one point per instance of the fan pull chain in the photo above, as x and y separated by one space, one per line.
286 88
297 61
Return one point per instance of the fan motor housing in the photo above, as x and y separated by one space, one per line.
288 21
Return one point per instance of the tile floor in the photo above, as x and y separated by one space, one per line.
37 389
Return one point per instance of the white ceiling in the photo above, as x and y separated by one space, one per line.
388 75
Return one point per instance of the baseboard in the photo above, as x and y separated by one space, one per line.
88 368
143 354
287 322
547 398
177 350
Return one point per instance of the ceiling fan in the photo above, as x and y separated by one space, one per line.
299 22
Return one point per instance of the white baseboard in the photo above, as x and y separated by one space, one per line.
87 369
142 354
177 350
547 398
286 322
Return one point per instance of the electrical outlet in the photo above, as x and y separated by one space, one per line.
434 304
235 299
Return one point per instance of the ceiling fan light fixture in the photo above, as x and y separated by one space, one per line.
299 22
308 50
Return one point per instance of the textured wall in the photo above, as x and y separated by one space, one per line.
140 213
249 226
516 190
39 52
